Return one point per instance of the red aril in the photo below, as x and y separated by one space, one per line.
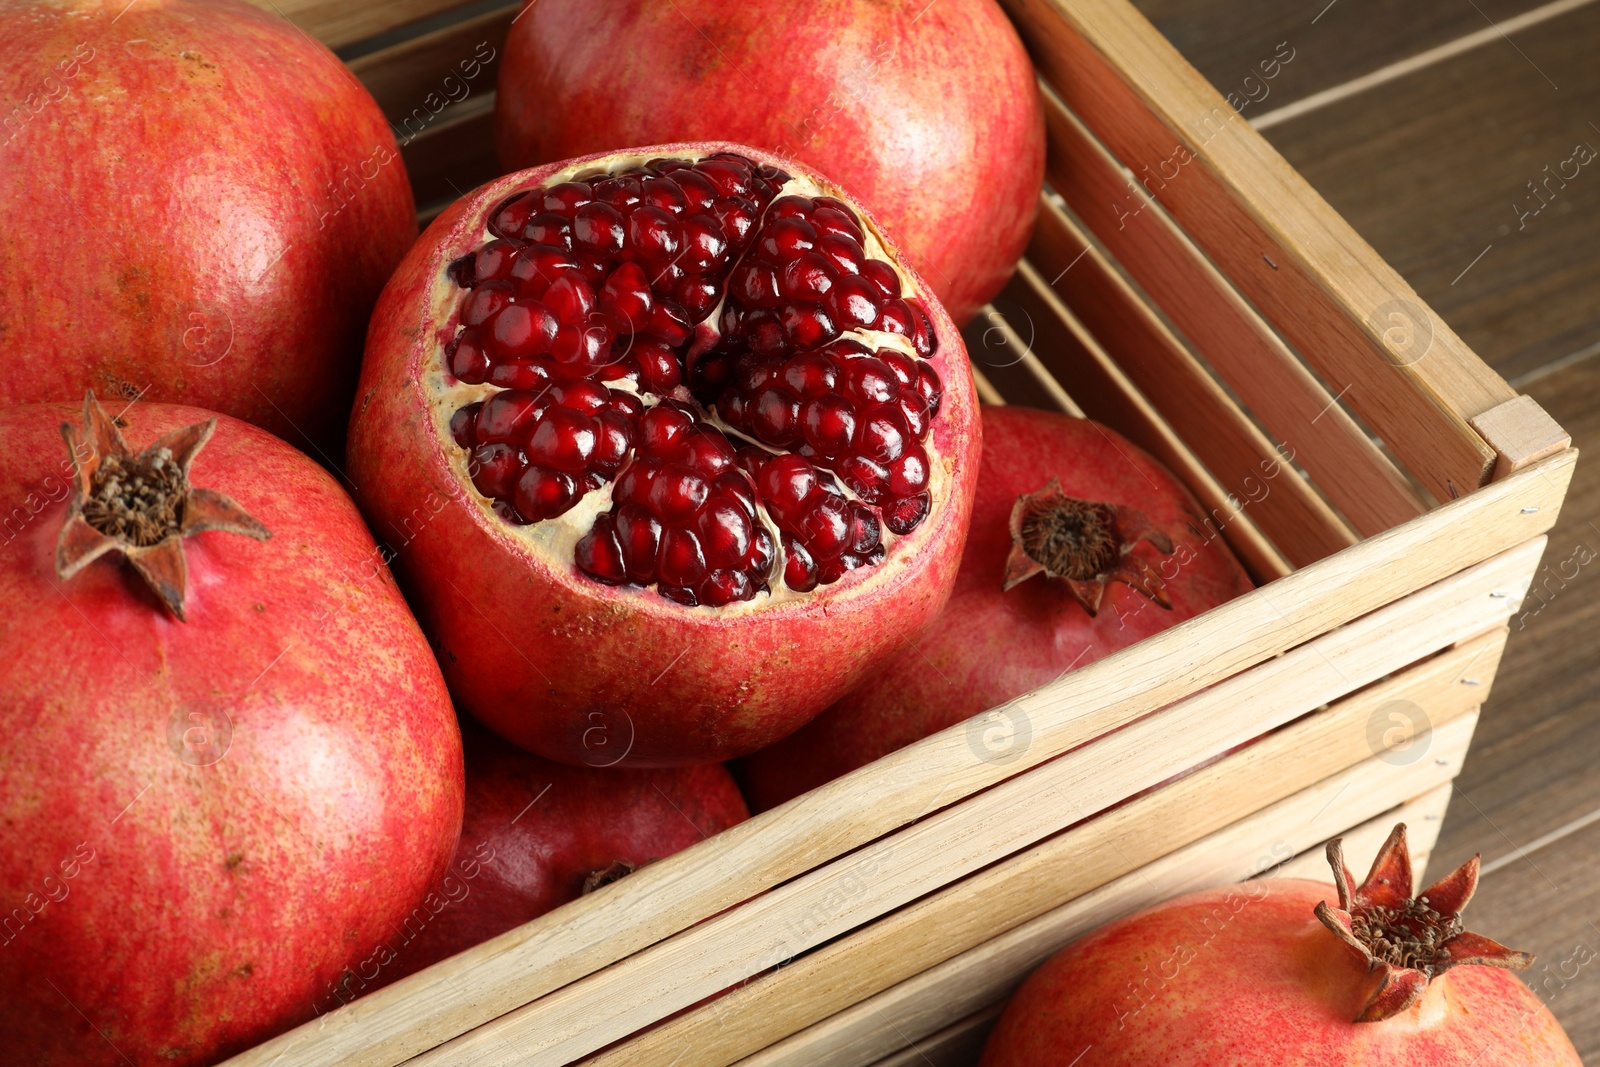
1129 555
1288 973
207 820
538 834
642 554
928 113
200 205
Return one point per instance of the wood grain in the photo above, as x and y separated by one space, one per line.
407 79
1428 169
340 22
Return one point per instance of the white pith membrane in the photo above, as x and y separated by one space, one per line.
555 539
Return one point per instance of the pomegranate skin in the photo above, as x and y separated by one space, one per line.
590 674
191 906
989 645
1245 975
922 112
535 831
201 208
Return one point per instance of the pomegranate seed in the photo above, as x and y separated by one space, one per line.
808 325
902 366
705 246
698 296
790 207
903 516
828 424
737 217
615 438
826 526
461 424
625 298
914 412
799 569
622 191
896 317
807 278
627 404
786 239
542 493
522 331
468 361
460 270
513 213
724 587
564 439
698 191
663 194
507 416
537 267
567 197
494 468
865 534
729 177
726 531
929 387
548 229
870 381
837 221
494 261
922 336
908 475
484 301
578 351
677 492
633 487
811 374
865 478
883 434
756 285
776 416
597 229
709 453
653 234
883 276
639 534
786 482
669 323
853 303
570 298
599 554
662 429
518 374
843 252
582 396
681 562
658 366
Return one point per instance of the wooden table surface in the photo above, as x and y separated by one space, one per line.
1424 122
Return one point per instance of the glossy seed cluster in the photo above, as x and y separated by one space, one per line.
582 308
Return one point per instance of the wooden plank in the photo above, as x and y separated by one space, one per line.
413 79
1009 365
988 974
663 898
1068 352
454 154
337 23
1268 378
784 922
1521 433
1472 134
1019 889
1236 452
959 1044
1325 290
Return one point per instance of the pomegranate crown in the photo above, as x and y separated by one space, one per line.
141 504
1407 941
1085 543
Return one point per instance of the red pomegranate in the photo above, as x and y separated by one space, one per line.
1081 544
1269 973
538 834
929 114
207 820
675 450
200 205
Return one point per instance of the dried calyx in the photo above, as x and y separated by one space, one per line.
1084 543
141 504
1407 941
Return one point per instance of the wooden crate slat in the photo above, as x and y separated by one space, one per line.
957 1045
1199 410
414 79
1374 793
964 915
1313 276
1201 302
454 155
1072 353
419 1012
337 23
1010 366
954 842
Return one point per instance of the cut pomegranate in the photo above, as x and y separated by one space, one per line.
680 378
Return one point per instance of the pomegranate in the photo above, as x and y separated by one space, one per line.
1268 972
1081 544
928 113
538 834
200 205
231 766
677 450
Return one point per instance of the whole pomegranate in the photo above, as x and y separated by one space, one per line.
1269 973
200 205
675 449
538 834
205 821
928 113
1081 544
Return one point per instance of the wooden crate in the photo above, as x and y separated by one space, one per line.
1388 491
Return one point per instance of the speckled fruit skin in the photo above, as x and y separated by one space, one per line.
1245 975
589 674
217 899
929 114
989 645
535 830
198 203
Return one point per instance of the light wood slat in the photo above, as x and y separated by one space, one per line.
940 848
1012 892
1011 367
1312 275
959 1043
1199 410
1204 305
988 974
453 155
450 64
985 389
1521 432
663 898
1073 354
337 23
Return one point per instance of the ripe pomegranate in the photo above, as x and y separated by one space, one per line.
1119 550
678 451
538 834
230 766
200 205
1268 973
927 113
